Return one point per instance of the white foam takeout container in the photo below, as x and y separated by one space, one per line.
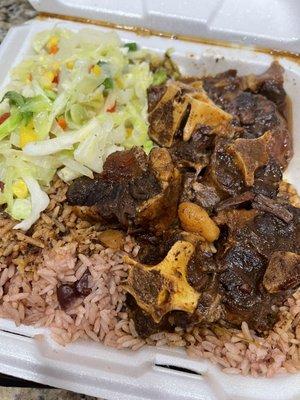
91 368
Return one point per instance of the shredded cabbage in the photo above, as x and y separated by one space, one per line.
39 202
78 98
21 209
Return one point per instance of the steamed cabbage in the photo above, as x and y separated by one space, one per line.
76 99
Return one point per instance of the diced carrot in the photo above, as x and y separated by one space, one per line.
53 49
112 108
4 117
53 41
62 123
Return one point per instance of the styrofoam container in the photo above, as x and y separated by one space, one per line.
91 368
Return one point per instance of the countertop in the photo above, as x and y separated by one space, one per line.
15 12
39 394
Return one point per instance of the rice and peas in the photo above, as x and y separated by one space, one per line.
60 247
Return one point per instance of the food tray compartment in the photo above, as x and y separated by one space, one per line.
150 373
271 24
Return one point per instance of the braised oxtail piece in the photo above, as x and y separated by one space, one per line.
135 190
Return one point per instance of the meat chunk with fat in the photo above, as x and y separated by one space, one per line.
159 211
261 316
263 230
223 172
266 183
166 115
194 153
269 84
133 189
235 221
255 135
181 110
243 298
223 88
257 115
259 255
269 234
283 272
256 161
204 194
267 179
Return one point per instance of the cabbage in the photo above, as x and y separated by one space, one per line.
21 209
78 114
22 110
15 165
42 124
77 168
40 40
160 77
10 124
90 152
97 104
36 104
52 146
39 202
66 174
